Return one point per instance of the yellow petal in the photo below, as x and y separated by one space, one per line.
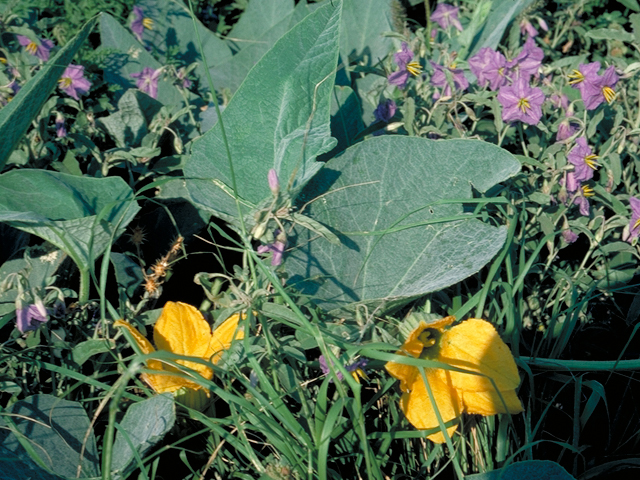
475 345
490 403
413 346
143 344
181 329
168 383
419 411
222 337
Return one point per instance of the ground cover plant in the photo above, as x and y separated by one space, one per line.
336 239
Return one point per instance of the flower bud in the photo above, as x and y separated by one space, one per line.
274 183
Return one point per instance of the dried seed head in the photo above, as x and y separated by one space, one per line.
137 235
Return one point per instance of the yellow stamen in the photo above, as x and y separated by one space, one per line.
609 94
587 191
31 48
636 225
592 161
3 60
148 23
523 105
414 68
575 77
65 82
453 65
358 373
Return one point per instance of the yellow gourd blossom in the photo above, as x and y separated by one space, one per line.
181 329
473 346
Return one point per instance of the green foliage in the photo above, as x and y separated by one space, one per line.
402 230
54 432
16 117
286 133
531 470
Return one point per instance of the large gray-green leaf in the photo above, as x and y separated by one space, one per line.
529 470
389 200
17 115
363 23
279 118
56 430
80 215
13 466
144 424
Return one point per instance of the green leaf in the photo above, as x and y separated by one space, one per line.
501 15
144 425
363 23
56 431
610 34
87 349
279 118
13 466
79 215
396 204
17 115
129 124
528 470
346 118
631 4
128 273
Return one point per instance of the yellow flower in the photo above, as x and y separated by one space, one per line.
473 346
181 329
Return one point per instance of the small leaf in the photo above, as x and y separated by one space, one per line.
144 425
610 34
87 349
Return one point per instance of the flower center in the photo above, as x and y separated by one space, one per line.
414 68
575 77
429 338
148 23
31 48
609 94
65 82
587 191
523 105
636 225
591 161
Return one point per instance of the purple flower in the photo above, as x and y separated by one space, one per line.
634 223
526 27
583 160
274 183
559 101
439 79
356 368
61 131
594 89
385 111
148 80
582 199
527 62
569 236
73 82
603 91
277 248
40 49
184 82
571 184
446 15
25 317
489 66
406 66
521 102
140 22
566 130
